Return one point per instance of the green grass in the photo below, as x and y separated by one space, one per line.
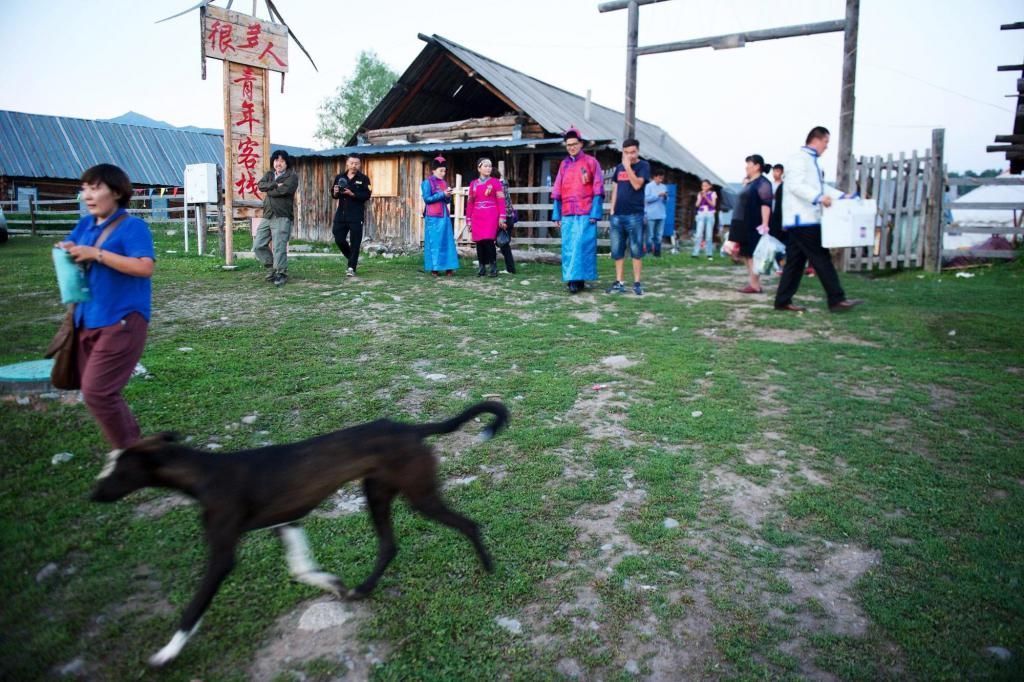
878 433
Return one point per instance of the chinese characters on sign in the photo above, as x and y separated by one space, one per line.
248 47
243 39
248 139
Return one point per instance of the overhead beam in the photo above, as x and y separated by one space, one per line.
623 4
731 40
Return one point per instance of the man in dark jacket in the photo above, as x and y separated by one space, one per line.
352 190
278 187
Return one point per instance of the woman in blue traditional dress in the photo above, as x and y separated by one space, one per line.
438 238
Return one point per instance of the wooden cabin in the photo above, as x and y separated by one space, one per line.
458 103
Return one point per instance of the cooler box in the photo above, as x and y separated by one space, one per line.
849 222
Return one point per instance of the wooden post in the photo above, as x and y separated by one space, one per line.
223 237
632 36
933 220
229 169
847 100
32 213
458 218
201 227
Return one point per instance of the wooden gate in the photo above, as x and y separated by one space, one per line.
901 186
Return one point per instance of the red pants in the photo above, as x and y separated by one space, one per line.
106 358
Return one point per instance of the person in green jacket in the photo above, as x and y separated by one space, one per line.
278 187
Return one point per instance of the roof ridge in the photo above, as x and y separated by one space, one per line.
533 78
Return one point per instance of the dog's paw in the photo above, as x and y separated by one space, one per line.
327 582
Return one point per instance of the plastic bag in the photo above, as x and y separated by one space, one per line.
764 253
74 288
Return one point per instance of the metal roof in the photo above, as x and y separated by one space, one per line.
58 147
553 108
428 147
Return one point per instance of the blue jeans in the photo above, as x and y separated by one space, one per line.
654 234
627 227
705 230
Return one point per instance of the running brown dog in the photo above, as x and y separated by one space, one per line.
276 486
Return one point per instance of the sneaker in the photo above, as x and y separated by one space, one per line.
711 258
280 279
617 287
271 277
573 287
637 289
351 272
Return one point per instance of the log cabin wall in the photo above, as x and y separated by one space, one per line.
389 219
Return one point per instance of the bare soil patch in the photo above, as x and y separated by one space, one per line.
323 629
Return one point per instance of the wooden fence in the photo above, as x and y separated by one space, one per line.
912 220
43 214
901 186
56 217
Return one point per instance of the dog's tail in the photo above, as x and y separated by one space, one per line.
499 411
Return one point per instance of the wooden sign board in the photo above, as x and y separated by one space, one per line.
243 39
246 141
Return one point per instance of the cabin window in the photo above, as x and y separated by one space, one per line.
383 174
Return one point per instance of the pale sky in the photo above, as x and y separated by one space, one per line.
922 64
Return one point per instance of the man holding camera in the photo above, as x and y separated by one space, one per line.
352 190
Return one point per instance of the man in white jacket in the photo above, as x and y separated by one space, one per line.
803 195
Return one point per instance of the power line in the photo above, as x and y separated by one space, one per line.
937 86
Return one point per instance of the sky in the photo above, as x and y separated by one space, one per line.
922 64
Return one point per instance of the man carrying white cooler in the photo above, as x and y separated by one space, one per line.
803 195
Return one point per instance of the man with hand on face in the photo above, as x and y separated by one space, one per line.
278 187
628 215
352 190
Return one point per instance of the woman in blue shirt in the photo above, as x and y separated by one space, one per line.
111 327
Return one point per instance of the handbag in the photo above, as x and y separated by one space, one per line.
64 374
502 238
62 348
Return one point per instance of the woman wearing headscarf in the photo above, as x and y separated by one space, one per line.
485 213
439 252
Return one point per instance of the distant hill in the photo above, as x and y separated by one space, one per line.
133 118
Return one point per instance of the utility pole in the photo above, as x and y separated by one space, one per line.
847 99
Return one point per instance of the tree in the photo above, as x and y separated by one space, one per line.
340 115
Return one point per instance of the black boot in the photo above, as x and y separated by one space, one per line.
481 270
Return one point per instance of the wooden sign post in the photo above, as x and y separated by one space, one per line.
250 48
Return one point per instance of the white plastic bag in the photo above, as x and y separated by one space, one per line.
764 253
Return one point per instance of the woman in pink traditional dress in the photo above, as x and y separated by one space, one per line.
485 213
